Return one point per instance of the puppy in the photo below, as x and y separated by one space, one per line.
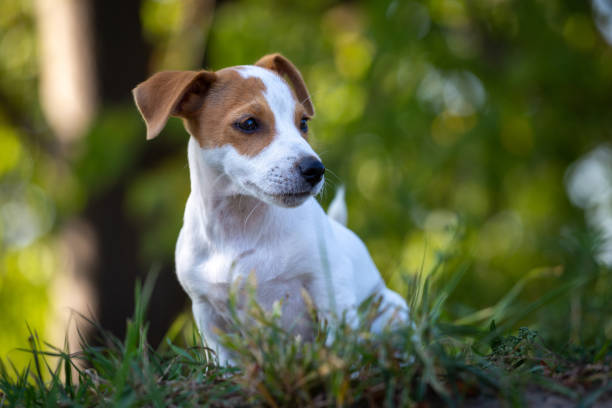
252 207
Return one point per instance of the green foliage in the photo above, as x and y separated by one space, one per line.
513 351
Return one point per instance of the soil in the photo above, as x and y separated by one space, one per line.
537 398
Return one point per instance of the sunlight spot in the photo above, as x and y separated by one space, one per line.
603 18
460 93
37 263
589 186
26 218
589 181
463 93
342 103
10 150
353 55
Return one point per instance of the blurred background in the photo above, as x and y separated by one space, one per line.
477 130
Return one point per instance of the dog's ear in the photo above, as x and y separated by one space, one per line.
281 65
171 93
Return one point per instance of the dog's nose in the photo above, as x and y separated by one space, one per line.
312 169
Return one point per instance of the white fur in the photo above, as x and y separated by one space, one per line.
337 208
239 220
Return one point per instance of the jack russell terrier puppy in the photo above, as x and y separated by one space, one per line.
252 207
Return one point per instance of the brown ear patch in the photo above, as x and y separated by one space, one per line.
171 93
284 67
193 97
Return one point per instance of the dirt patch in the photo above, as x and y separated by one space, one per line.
537 398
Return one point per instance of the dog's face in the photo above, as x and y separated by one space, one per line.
250 124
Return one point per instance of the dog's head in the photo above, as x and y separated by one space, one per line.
249 123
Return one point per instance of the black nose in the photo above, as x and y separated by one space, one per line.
312 169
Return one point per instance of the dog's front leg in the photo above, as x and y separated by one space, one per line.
393 311
333 293
334 306
208 326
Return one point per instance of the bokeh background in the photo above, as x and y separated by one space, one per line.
476 131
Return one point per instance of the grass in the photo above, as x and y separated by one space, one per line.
434 362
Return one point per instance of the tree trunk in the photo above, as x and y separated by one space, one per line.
122 62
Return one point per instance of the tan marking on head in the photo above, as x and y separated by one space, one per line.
232 99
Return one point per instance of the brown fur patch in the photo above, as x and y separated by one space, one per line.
232 99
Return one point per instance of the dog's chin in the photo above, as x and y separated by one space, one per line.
293 199
281 198
289 200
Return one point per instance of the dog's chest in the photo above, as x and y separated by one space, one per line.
212 258
277 278
280 265
271 264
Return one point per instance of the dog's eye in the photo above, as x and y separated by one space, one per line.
304 125
249 125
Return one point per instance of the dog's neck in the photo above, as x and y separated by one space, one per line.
223 212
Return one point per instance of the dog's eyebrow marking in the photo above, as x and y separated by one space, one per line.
280 98
253 107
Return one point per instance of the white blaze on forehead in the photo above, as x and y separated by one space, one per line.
277 94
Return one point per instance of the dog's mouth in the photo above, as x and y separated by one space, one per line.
288 195
287 198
